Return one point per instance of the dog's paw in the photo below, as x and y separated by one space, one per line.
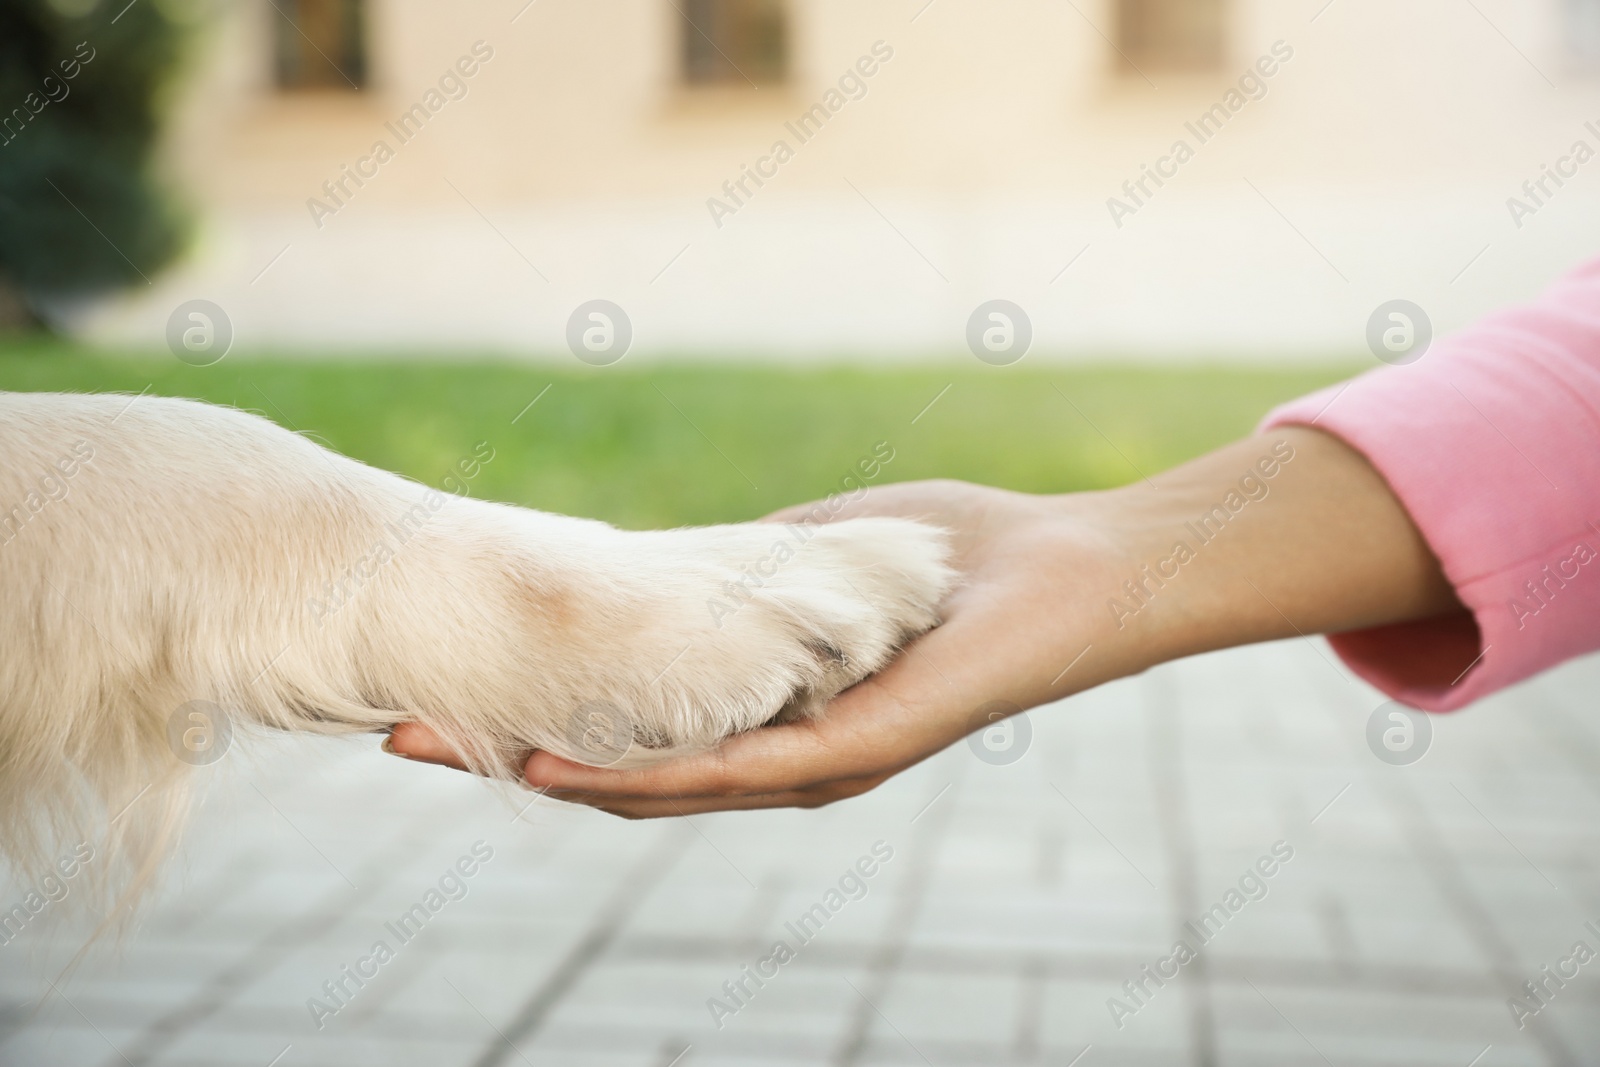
506 630
710 632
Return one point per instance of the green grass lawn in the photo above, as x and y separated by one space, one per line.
673 445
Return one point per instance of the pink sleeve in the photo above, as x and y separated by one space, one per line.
1492 443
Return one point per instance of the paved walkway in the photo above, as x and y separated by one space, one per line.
1007 905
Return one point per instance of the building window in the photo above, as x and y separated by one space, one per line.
1583 34
321 44
734 42
1173 34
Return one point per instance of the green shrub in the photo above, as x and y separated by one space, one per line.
84 85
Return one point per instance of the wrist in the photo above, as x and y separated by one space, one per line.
1174 589
1204 561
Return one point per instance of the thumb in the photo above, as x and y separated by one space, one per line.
413 741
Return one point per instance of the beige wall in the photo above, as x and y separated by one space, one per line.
992 141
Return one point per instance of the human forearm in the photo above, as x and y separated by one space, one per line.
1285 533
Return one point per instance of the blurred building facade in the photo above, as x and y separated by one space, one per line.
850 178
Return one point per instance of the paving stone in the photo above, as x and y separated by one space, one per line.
1019 901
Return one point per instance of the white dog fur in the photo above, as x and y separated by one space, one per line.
156 552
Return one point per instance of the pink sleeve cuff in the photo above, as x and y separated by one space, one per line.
1491 441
